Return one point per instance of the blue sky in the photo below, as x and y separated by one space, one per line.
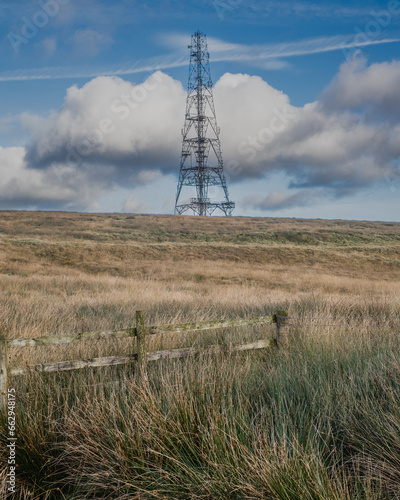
325 74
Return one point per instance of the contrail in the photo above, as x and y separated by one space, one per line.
222 52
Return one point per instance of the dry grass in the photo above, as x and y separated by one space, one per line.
66 272
53 264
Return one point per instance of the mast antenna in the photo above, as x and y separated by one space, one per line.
201 163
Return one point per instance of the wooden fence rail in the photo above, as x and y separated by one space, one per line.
139 334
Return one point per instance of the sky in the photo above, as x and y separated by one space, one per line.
307 98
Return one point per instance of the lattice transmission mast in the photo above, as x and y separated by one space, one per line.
201 159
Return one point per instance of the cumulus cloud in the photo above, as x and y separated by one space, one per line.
112 133
338 148
373 89
121 128
57 187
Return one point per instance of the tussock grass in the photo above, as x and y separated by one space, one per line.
318 421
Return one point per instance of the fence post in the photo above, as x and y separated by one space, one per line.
282 339
141 347
3 371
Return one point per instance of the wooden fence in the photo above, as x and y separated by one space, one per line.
138 333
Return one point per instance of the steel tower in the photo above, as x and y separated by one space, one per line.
201 159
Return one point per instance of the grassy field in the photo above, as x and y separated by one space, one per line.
319 421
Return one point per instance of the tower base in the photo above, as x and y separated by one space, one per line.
205 207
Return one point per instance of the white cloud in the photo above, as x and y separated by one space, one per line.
111 133
357 86
56 187
111 122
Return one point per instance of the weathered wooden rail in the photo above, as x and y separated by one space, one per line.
138 333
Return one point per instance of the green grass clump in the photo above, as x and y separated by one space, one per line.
320 421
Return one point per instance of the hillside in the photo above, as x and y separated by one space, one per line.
125 245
